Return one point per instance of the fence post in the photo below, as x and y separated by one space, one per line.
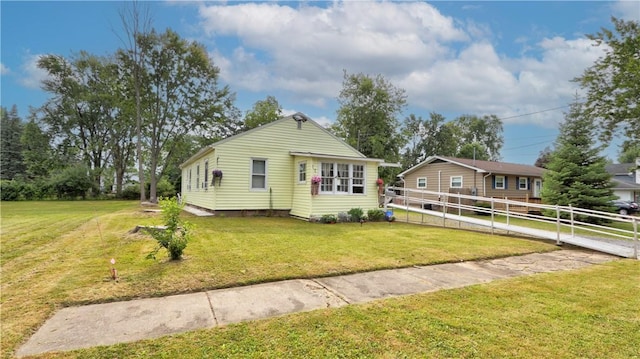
507 210
558 225
459 210
422 201
492 214
444 211
406 202
636 240
573 235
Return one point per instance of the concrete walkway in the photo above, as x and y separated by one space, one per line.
111 323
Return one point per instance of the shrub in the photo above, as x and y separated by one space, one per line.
131 191
356 214
72 182
164 188
9 190
328 218
343 217
375 215
176 234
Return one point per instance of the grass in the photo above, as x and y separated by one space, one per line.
57 253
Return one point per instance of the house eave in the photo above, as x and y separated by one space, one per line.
335 157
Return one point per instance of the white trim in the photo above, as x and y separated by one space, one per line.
495 181
461 181
265 174
300 163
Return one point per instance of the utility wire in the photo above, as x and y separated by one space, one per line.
534 113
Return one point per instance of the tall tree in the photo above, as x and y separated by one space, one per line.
613 82
181 96
136 22
543 158
576 173
630 151
479 136
368 117
11 128
36 151
262 112
429 137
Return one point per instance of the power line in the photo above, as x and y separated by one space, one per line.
534 113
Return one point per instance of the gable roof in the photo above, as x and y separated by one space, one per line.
620 168
502 168
300 117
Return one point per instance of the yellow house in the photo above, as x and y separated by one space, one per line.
291 166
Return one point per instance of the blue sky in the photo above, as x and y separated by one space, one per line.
512 59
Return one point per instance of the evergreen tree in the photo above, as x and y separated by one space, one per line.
576 172
11 163
37 151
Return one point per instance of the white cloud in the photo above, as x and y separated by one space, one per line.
32 76
4 70
627 9
445 65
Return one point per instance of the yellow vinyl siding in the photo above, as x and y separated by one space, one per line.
197 195
274 143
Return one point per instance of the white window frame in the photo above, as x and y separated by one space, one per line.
504 179
418 182
451 182
302 172
334 182
266 171
206 175
526 183
197 176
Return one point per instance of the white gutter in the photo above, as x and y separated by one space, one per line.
484 184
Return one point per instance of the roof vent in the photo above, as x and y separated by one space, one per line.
300 118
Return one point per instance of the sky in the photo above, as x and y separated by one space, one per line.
509 58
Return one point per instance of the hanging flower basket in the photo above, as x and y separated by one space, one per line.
379 181
216 175
315 185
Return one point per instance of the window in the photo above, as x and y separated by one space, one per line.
421 182
357 185
456 182
523 183
499 182
206 174
302 172
342 178
189 183
197 176
258 174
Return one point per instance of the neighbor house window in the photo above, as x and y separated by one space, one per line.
523 183
206 174
197 176
499 182
422 182
258 174
456 182
342 178
302 172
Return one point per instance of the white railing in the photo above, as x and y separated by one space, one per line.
564 218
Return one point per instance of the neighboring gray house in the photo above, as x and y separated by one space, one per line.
626 180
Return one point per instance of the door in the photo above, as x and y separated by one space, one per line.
537 187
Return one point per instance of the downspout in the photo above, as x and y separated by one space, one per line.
484 184
439 181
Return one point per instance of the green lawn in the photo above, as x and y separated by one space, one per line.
57 253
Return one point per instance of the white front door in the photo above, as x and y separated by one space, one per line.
537 187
